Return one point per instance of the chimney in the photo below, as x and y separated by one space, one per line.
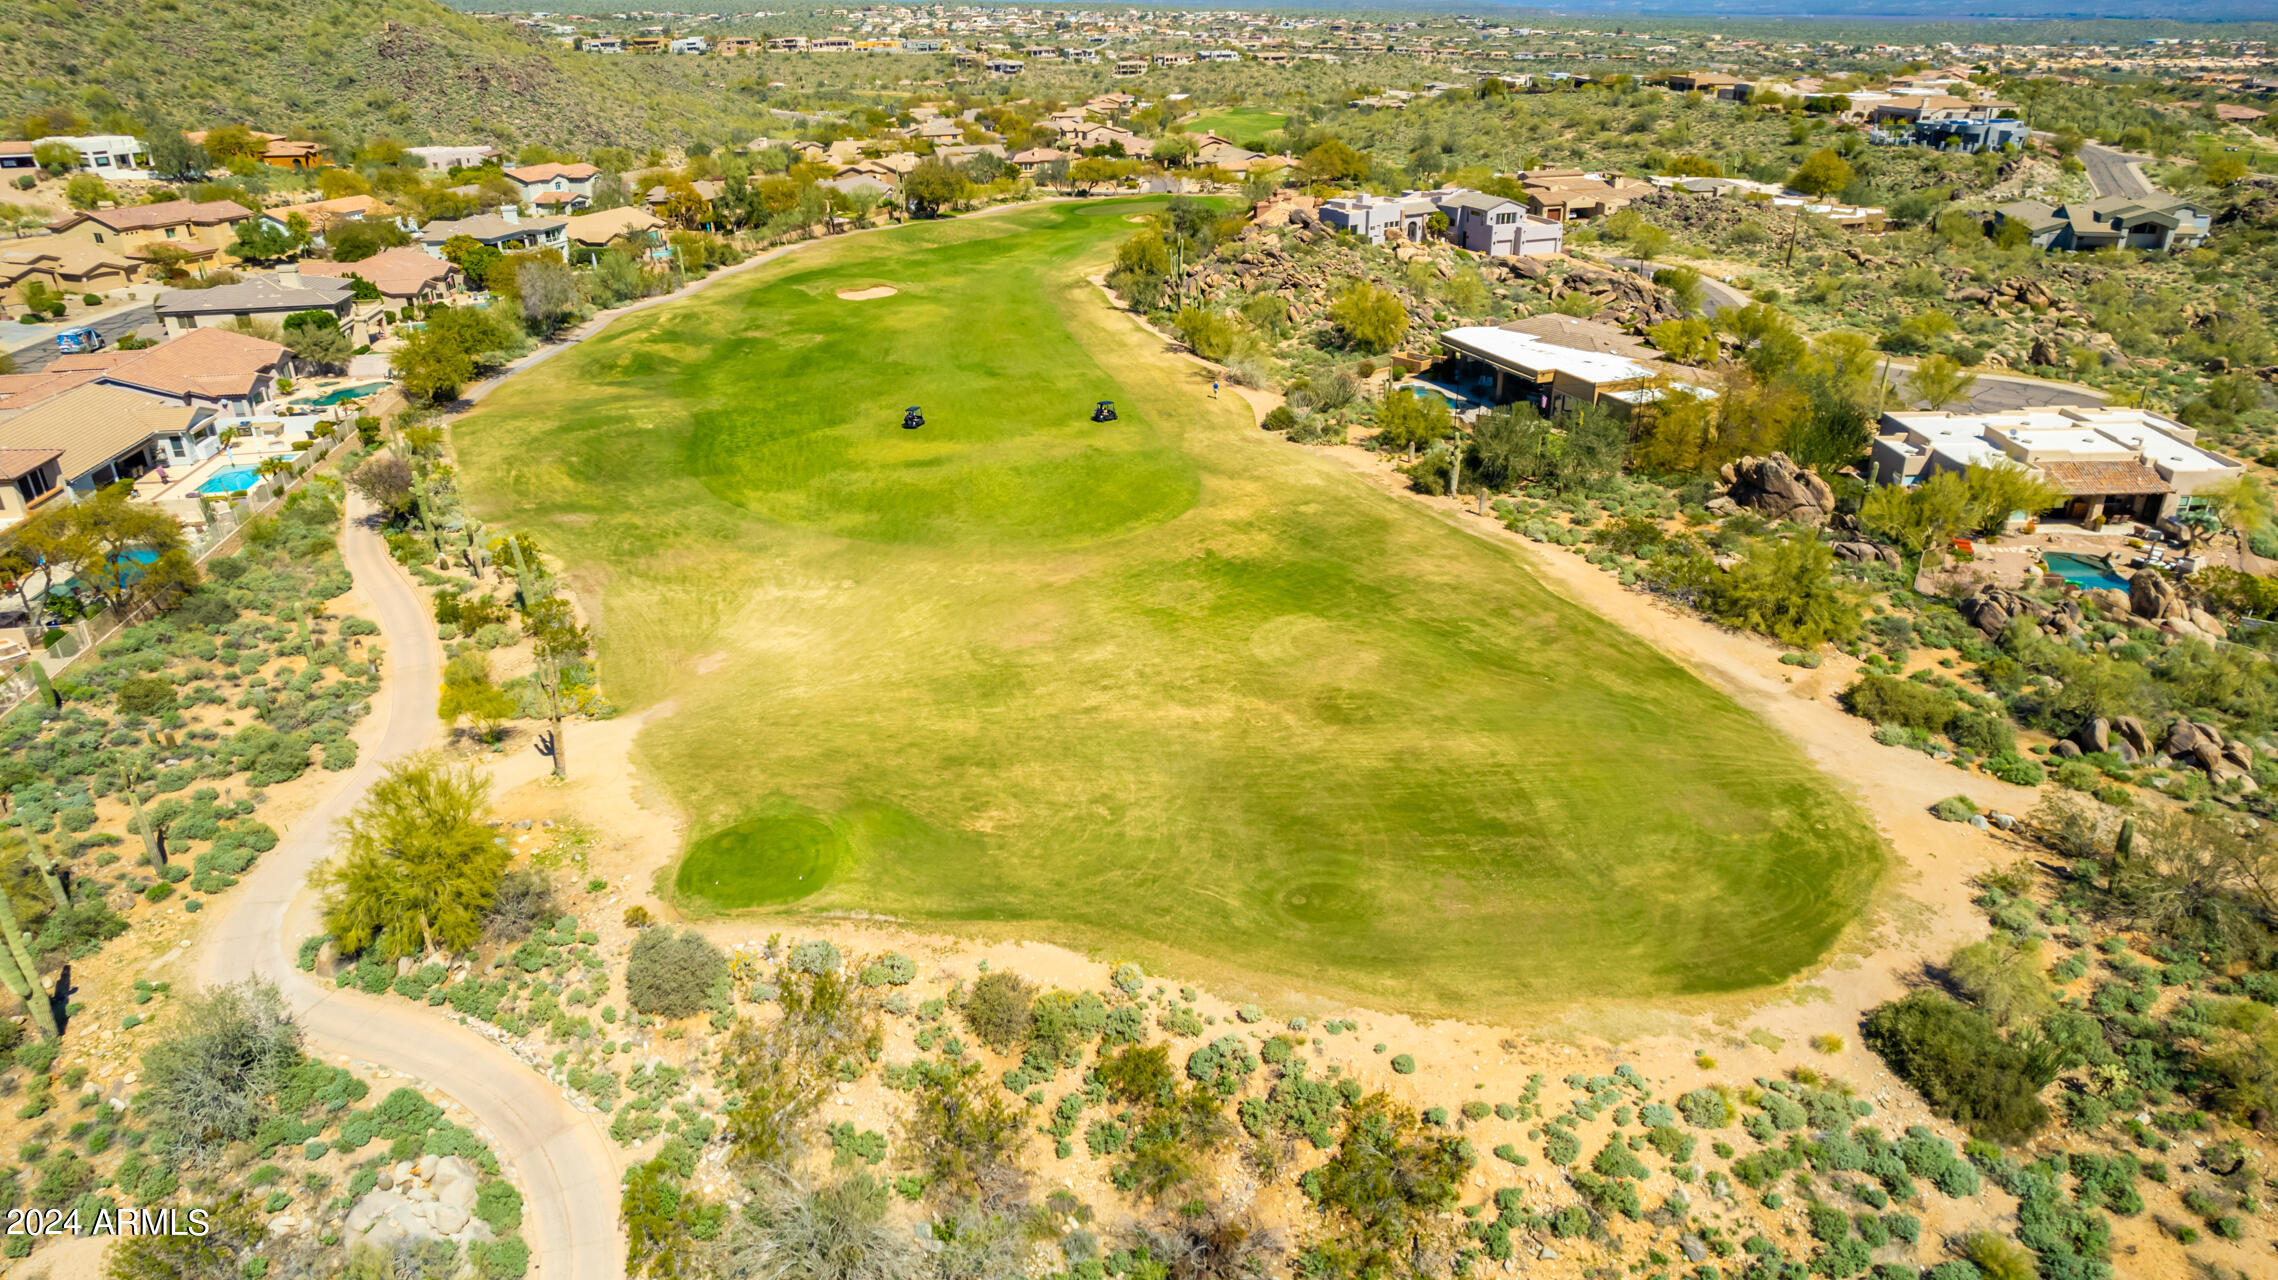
511 212
289 275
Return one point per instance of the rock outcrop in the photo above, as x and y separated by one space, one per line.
1779 488
2155 596
1992 609
427 1199
1866 553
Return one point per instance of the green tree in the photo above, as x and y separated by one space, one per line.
2222 168
1370 318
1786 589
356 241
559 647
1406 422
1823 173
260 240
174 156
1333 161
1938 381
468 694
58 158
930 186
85 191
417 868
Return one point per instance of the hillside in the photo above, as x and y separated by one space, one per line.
409 68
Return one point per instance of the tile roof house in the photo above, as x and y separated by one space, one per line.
1035 158
21 391
554 186
267 297
2156 221
2109 463
28 479
202 229
595 230
74 266
102 434
324 215
402 274
1562 195
224 371
504 230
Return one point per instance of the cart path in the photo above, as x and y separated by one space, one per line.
565 1166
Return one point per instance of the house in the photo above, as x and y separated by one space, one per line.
938 130
1217 154
230 373
831 44
109 155
599 230
1127 68
1370 217
1563 195
1113 137
269 297
738 46
788 44
72 266
403 275
323 215
2108 463
557 187
507 231
963 152
707 190
1498 225
198 231
96 436
445 159
689 44
1957 134
646 44
17 155
29 478
1035 158
1707 83
1003 67
2156 221
285 153
21 391
1556 377
603 44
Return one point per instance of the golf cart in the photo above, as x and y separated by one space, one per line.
1104 411
912 419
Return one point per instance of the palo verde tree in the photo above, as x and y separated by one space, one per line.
418 869
560 647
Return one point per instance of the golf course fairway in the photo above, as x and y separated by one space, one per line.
1167 688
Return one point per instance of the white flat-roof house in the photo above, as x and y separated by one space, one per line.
2114 463
1557 378
1369 217
111 155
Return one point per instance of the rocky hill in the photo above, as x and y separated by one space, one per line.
409 68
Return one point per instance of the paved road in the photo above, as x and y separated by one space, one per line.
38 354
565 1165
2115 173
1716 295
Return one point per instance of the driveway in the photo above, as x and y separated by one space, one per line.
37 349
565 1165
2115 173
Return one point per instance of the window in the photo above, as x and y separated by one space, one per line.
1505 219
170 233
98 237
102 162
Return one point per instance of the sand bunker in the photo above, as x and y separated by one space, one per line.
865 295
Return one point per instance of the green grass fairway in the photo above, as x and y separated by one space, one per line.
1167 688
1242 126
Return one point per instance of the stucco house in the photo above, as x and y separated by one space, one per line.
267 297
2107 463
554 187
202 230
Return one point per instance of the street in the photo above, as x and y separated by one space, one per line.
2114 173
39 351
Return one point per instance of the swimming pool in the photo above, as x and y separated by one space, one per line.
340 395
234 480
2085 572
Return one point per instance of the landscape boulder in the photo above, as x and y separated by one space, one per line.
2096 735
2154 596
1866 553
2133 733
1779 488
1992 609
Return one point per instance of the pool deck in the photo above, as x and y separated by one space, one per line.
175 488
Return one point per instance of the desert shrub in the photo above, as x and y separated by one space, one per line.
817 956
1705 1109
525 900
1957 1059
1279 418
1983 734
892 969
1905 703
674 973
1955 809
1560 1146
1403 1064
1222 1065
999 1009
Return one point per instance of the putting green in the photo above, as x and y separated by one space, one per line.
1165 687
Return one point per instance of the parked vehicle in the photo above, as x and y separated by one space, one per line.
74 341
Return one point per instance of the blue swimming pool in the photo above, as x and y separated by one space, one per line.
234 480
341 395
2085 572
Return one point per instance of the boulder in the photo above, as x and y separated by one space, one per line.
1779 488
2182 738
2044 353
2239 757
2096 735
2127 754
2208 756
449 1219
2207 622
374 1206
2132 732
2110 599
2065 750
1695 1248
1991 609
1866 553
2153 595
